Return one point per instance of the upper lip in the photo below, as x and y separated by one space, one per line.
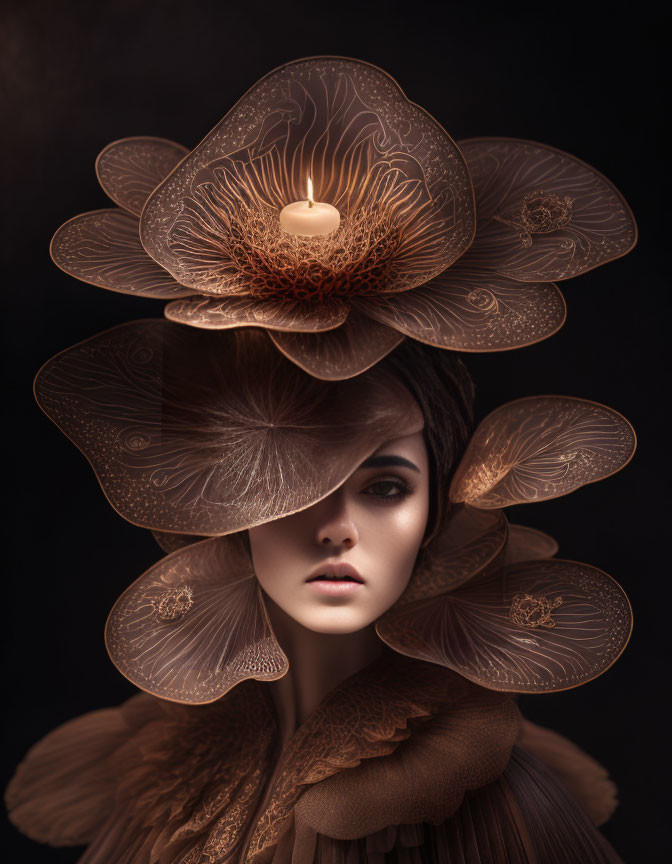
335 569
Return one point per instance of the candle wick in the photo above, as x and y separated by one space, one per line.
310 202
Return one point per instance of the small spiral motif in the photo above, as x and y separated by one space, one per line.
141 355
137 441
174 604
528 610
483 299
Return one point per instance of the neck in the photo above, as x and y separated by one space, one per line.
318 662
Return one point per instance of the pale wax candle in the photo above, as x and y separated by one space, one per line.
309 218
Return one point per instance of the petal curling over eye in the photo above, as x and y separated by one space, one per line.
198 432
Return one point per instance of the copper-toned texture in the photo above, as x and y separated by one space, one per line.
470 540
194 625
223 313
172 542
472 309
343 353
131 168
402 255
528 544
210 433
543 215
539 448
103 248
531 627
396 177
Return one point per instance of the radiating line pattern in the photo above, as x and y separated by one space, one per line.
103 248
209 433
470 540
130 169
470 630
195 651
395 175
543 215
539 448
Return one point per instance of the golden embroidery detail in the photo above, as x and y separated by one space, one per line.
528 610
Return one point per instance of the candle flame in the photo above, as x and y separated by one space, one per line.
311 200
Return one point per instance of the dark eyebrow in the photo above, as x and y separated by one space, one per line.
388 462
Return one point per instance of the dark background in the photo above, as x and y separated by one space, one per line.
77 76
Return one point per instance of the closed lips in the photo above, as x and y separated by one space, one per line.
335 572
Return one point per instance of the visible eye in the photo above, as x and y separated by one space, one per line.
392 489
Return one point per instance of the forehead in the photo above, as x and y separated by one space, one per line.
411 447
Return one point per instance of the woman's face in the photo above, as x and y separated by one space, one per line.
339 565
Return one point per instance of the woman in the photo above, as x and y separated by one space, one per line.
354 546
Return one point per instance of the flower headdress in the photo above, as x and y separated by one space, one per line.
195 432
455 246
187 435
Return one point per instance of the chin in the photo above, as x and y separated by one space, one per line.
336 623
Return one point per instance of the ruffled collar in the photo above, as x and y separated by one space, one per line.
193 783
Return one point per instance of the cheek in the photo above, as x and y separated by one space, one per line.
394 545
275 553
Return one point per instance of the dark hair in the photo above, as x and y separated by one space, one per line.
439 382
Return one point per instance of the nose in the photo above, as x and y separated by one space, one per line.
335 525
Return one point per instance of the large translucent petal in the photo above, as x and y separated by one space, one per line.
131 168
541 447
221 313
341 353
543 215
471 309
398 180
208 433
194 625
104 249
532 627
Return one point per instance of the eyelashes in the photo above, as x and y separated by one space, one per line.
388 490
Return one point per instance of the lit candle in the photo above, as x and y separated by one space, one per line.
309 218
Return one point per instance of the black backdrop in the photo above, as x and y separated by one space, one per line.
80 75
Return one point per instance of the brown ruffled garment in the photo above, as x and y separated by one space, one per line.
405 761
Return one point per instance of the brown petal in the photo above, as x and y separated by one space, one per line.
222 313
341 353
103 248
469 542
208 433
541 447
194 625
131 168
541 213
472 309
172 542
528 544
368 150
532 627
